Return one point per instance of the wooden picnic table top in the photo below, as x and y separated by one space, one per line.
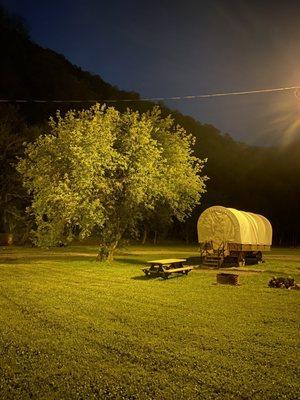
167 261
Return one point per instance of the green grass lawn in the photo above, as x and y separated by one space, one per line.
72 328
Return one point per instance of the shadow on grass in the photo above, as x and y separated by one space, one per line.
144 278
193 261
128 261
157 277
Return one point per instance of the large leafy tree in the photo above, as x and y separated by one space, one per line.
102 171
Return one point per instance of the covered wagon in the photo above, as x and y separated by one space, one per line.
229 237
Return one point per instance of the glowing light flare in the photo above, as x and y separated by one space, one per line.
285 117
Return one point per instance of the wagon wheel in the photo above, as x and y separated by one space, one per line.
259 256
241 263
241 259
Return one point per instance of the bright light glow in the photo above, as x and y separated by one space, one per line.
286 118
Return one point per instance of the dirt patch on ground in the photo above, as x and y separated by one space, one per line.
283 257
78 254
10 256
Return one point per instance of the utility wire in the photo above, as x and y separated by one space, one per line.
199 96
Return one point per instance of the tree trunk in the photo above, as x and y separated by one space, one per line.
186 236
144 236
106 252
155 237
103 253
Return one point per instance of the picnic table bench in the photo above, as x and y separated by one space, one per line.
166 267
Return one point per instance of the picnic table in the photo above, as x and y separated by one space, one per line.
166 267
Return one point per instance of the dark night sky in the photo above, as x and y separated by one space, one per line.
176 48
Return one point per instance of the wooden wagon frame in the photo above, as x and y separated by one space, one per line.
245 236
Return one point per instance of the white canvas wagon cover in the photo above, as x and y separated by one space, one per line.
220 224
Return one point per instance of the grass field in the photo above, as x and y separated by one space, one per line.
72 328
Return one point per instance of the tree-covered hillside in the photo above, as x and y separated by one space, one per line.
262 180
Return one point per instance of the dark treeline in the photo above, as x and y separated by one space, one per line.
261 180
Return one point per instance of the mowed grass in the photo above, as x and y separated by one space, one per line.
72 328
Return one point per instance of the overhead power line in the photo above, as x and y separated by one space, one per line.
191 97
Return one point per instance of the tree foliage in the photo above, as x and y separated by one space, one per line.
103 171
